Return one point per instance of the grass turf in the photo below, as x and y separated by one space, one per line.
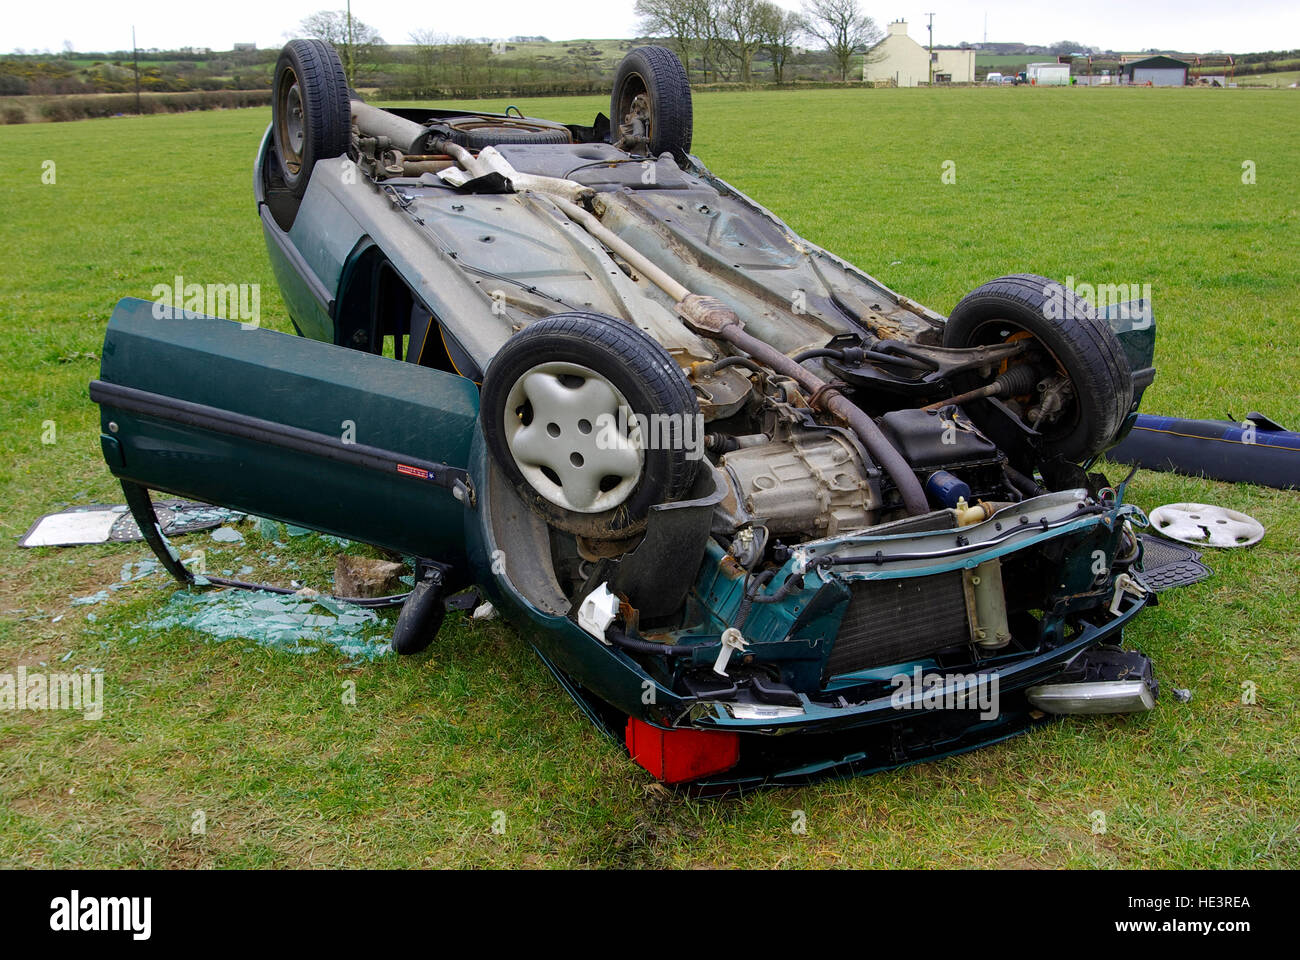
1122 186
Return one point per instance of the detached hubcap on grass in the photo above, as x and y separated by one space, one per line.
573 436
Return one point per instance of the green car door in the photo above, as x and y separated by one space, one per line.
310 433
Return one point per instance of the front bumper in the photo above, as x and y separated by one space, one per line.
839 731
1012 678
870 737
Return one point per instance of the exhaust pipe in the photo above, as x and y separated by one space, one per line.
405 135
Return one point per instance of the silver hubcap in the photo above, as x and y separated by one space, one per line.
573 437
1202 524
294 120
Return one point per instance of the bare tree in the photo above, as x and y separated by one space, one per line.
740 35
778 29
674 20
470 58
843 27
358 43
428 49
708 29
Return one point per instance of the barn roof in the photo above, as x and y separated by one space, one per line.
1160 61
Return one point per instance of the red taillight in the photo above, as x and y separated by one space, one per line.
676 756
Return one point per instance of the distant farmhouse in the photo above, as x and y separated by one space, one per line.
900 61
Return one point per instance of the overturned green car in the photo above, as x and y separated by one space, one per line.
762 517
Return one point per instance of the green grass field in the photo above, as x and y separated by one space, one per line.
1131 186
1283 78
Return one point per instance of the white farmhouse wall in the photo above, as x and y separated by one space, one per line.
901 60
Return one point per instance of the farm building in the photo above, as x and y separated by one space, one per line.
901 61
1156 71
1048 74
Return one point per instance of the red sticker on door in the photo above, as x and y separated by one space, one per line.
415 471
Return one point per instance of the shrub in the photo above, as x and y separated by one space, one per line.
58 109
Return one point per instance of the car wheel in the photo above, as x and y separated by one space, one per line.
1080 346
590 419
652 100
311 114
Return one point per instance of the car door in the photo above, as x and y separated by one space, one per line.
343 441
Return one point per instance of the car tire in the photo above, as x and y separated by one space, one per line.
480 135
311 113
657 73
607 365
1082 344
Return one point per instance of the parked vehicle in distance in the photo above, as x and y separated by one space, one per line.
764 518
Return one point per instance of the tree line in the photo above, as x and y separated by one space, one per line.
728 41
717 40
722 39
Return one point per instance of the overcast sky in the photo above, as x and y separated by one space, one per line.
1191 25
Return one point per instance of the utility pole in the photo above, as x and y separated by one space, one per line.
931 28
135 58
351 62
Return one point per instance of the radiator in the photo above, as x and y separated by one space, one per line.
898 621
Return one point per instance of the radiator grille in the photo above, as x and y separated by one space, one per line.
896 621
